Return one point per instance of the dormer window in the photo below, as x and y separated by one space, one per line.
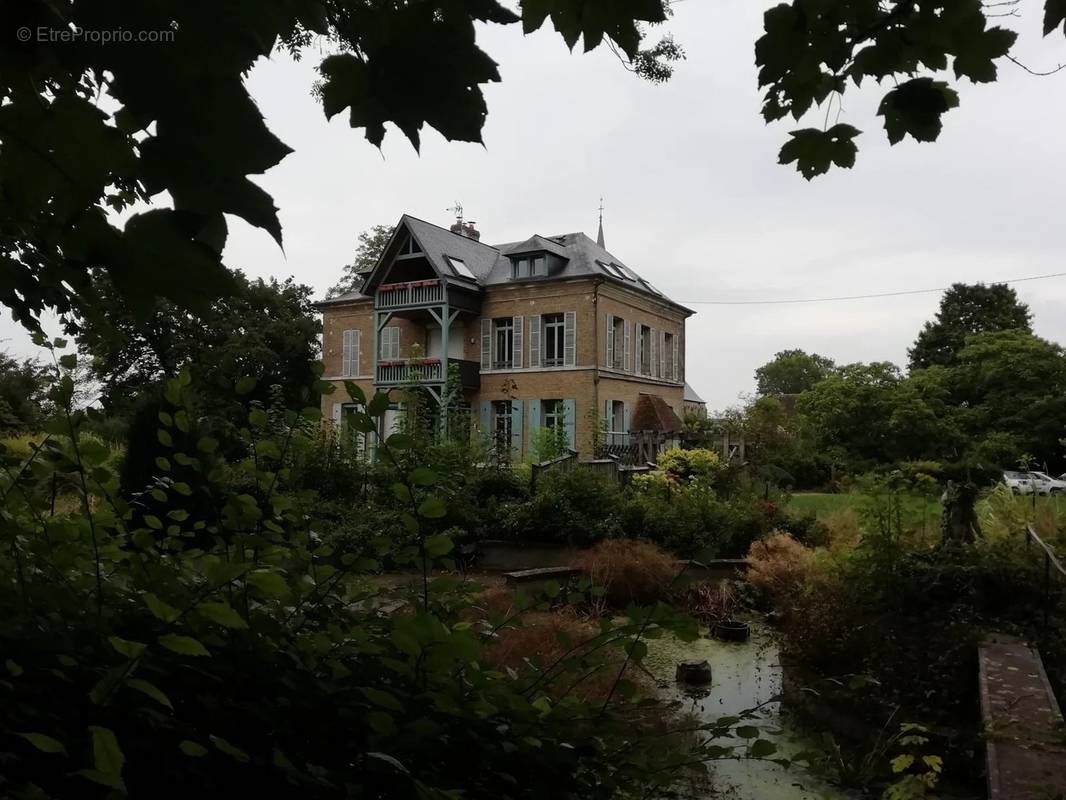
531 266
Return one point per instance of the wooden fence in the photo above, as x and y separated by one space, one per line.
608 468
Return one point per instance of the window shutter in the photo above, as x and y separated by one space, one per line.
570 422
516 343
677 346
653 352
569 338
486 344
516 427
625 417
663 354
396 342
534 418
534 340
486 420
337 415
357 351
609 338
346 354
626 362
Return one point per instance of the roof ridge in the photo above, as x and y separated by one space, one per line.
449 231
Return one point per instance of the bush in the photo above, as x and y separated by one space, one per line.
779 565
573 506
629 571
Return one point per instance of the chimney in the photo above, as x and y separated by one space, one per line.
470 232
457 227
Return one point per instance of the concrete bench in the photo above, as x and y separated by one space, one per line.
541 575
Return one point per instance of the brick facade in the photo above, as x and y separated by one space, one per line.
588 385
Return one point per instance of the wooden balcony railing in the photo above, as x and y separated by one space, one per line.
400 372
412 293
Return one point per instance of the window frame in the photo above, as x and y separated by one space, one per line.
503 326
556 324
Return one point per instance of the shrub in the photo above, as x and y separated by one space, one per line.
629 571
779 565
574 506
709 601
697 465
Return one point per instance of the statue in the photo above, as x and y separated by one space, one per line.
958 522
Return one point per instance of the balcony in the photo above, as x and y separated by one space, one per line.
409 295
414 371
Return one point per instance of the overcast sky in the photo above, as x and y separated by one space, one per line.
695 200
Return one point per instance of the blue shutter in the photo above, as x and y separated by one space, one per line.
570 422
533 410
516 427
486 420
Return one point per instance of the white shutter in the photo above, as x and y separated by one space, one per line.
534 340
569 338
653 348
486 344
516 342
337 414
662 354
610 341
346 354
677 346
357 352
627 364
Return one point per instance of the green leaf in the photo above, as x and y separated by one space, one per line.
107 758
207 444
423 476
432 508
245 385
762 748
151 690
222 614
269 583
381 698
192 749
815 150
257 418
439 545
183 645
1054 15
165 438
13 668
153 522
230 750
44 743
406 643
747 732
127 648
976 54
160 609
901 763
166 419
378 404
915 108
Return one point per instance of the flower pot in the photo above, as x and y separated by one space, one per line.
731 630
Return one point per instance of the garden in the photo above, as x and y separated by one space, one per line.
268 611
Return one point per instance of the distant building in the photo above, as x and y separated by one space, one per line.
549 331
693 403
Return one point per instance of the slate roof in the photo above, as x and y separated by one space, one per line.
653 414
492 267
691 396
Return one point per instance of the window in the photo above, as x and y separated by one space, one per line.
553 414
616 327
409 247
668 357
501 423
531 267
644 349
390 343
350 355
503 343
459 267
554 340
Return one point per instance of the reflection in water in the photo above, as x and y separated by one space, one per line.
745 676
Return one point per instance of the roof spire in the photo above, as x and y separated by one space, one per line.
599 236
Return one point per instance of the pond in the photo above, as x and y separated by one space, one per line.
745 675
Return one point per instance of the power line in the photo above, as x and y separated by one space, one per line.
856 296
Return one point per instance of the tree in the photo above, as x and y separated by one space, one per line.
966 309
372 244
264 329
792 372
180 123
809 52
23 385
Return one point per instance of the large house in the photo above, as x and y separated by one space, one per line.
549 331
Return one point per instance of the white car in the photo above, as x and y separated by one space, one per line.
1018 482
1034 483
1045 484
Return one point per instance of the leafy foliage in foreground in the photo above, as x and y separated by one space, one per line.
180 122
216 638
811 49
